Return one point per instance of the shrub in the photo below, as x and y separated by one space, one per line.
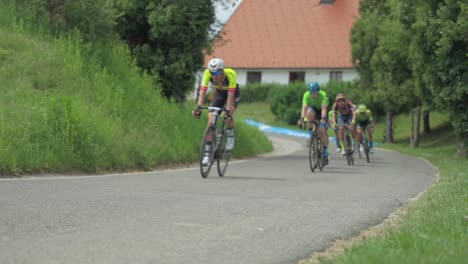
258 92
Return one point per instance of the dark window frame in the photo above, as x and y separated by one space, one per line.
336 76
296 76
254 77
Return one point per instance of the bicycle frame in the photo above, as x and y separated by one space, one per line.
315 148
216 135
348 145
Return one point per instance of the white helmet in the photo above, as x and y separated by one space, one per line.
215 65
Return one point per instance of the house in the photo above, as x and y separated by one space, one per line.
281 41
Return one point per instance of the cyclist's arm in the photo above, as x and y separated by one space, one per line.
324 109
201 97
304 111
324 112
230 100
203 87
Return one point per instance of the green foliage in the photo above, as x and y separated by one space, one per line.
167 38
286 103
258 92
94 19
413 53
67 106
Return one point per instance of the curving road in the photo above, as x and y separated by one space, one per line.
270 209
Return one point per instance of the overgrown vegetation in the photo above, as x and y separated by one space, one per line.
411 57
70 105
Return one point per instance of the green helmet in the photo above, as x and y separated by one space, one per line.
362 108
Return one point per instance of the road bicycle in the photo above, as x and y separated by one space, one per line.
315 148
348 143
365 145
216 133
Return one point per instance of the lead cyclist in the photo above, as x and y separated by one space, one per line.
226 94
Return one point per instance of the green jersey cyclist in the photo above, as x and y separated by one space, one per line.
314 106
226 93
364 120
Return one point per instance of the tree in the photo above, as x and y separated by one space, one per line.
168 38
444 29
378 54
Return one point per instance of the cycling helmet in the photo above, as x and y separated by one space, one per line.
339 96
362 108
313 87
215 65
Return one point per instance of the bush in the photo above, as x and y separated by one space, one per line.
286 103
258 92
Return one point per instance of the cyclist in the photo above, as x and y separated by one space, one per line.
346 115
226 93
314 105
364 121
331 122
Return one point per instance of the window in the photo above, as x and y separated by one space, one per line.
336 76
254 77
296 77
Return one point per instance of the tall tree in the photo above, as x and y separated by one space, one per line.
168 38
444 29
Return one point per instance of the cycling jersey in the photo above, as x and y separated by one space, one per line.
229 81
317 102
344 109
364 117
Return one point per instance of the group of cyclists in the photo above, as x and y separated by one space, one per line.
314 108
343 114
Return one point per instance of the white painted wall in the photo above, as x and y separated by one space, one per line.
281 76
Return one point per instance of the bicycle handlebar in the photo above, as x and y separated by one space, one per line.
218 109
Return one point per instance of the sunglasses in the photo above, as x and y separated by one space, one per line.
216 73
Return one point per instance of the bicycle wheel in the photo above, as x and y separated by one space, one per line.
319 154
313 153
348 147
359 151
205 169
222 155
365 142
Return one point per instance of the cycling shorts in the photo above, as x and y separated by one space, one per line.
318 116
344 119
220 98
365 124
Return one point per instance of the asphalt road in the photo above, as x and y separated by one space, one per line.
270 209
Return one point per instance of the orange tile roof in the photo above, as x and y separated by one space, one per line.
288 34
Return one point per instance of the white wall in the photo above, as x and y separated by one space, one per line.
281 76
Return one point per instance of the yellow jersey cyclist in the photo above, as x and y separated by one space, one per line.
346 115
364 120
226 93
314 106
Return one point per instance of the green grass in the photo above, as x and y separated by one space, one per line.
73 106
433 229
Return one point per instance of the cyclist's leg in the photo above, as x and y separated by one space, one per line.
342 133
216 102
370 134
322 131
337 138
230 121
311 114
359 131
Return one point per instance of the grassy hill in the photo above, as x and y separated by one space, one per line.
67 106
